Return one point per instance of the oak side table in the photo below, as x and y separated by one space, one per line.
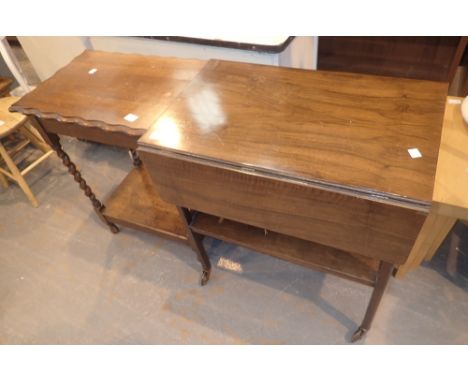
332 171
450 196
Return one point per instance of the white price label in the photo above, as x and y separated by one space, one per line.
414 153
131 117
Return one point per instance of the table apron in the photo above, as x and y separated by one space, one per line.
90 133
377 230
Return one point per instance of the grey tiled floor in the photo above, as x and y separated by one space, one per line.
64 278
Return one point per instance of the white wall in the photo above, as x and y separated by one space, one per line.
179 49
48 54
301 53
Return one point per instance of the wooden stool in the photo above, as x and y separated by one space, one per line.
9 124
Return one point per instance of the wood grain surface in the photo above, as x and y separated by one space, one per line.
418 57
351 266
136 204
122 84
349 223
349 131
113 137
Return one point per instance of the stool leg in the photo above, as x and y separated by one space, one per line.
381 283
3 181
17 175
26 131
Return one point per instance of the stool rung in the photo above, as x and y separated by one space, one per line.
36 162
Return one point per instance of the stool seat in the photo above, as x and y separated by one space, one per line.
9 121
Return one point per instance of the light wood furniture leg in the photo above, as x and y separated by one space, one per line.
432 234
3 181
16 175
28 132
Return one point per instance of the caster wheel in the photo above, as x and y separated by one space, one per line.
205 277
114 228
358 334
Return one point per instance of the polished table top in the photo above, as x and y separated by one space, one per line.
346 131
109 90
